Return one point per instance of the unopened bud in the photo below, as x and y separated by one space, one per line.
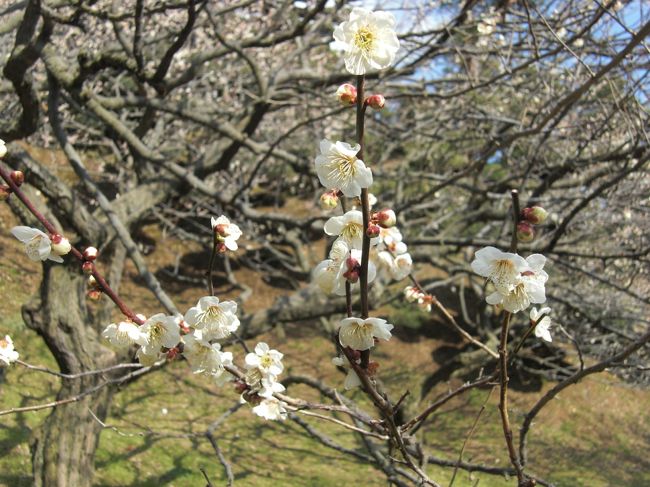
221 230
18 177
385 218
354 354
87 267
376 101
221 248
3 148
5 192
329 200
347 94
172 353
525 232
240 386
185 328
534 215
92 282
60 245
90 253
373 230
94 294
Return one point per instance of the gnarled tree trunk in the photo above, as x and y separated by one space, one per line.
63 450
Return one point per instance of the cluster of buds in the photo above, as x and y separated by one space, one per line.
530 216
94 291
18 178
353 270
329 200
347 96
413 294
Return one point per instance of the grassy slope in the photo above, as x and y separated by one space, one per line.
593 435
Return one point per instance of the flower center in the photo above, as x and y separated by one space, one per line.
214 314
266 361
4 343
156 332
342 168
352 231
364 39
503 271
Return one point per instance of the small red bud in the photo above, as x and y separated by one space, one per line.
376 101
534 215
221 230
172 353
17 177
185 328
221 248
94 294
5 192
373 230
346 94
90 253
87 267
525 232
240 386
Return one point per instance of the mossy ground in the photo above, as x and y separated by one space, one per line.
594 434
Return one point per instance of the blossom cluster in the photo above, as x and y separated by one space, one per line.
369 42
518 282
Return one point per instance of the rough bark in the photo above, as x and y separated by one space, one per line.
63 449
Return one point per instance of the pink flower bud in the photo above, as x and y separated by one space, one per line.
185 328
87 267
5 192
90 253
329 200
352 275
221 248
376 101
373 230
525 232
412 294
385 218
94 294
60 245
534 215
221 230
172 353
347 94
17 177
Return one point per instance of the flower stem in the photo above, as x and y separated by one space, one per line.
365 210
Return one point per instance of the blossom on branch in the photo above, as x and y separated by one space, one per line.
38 245
268 361
214 318
330 274
271 409
348 227
123 334
501 268
205 357
542 326
159 331
338 167
7 352
351 379
360 334
368 39
226 233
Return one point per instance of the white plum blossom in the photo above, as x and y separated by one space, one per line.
269 386
205 357
122 335
38 245
403 265
527 288
7 353
268 361
271 409
359 334
214 318
338 167
351 379
368 40
542 326
329 274
3 149
159 331
349 227
501 268
227 231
